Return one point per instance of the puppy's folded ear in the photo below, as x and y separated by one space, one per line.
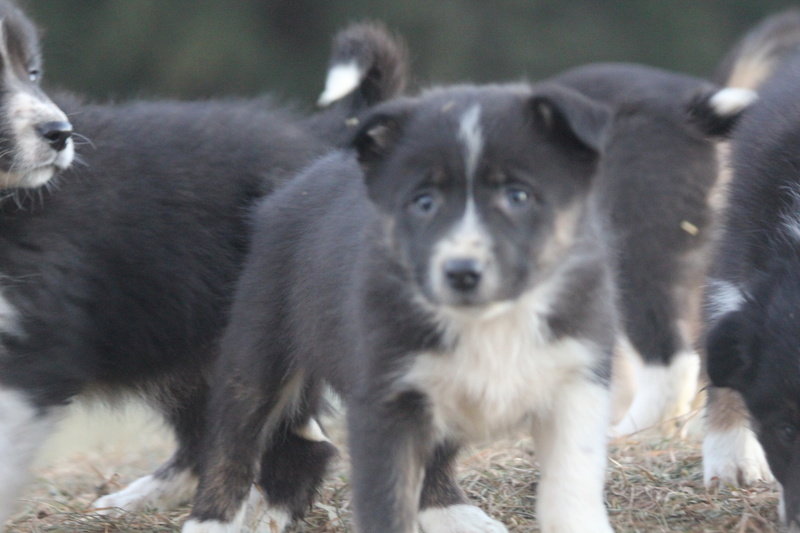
567 117
730 350
714 111
378 133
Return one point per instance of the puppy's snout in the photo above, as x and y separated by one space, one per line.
463 274
56 133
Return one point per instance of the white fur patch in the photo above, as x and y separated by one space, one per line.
723 297
311 431
791 216
781 503
264 518
215 526
9 317
732 100
34 160
341 81
503 367
664 394
469 239
458 519
471 136
22 431
734 457
149 492
570 444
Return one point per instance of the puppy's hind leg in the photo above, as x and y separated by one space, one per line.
175 481
444 507
245 411
293 466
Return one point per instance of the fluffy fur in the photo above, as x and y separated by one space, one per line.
752 339
449 279
119 279
763 52
655 180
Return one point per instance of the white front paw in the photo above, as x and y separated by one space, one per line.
460 518
733 457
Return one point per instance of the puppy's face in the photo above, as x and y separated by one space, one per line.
756 351
35 135
481 189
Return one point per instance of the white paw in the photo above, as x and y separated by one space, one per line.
149 492
215 526
664 397
733 457
458 519
263 518
210 526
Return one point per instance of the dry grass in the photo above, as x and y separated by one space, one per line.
654 485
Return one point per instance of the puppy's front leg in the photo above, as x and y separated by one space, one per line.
570 443
390 443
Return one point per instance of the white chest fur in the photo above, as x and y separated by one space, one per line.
502 371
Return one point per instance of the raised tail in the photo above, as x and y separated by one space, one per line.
368 65
759 52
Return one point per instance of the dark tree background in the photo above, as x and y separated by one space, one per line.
199 48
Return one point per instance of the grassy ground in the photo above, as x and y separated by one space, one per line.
654 485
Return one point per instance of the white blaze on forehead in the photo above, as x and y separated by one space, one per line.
471 136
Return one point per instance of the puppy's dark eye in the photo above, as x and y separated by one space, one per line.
424 203
33 75
787 433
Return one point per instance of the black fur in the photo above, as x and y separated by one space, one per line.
752 346
656 175
119 278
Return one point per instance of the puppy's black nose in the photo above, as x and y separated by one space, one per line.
463 274
56 133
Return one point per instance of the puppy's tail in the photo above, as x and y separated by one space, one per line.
368 65
759 52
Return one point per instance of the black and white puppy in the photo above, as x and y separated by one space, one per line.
754 292
656 180
119 279
450 279
732 454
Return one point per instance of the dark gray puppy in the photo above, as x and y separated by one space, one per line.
449 278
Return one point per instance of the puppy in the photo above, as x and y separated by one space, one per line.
119 279
732 454
449 277
656 180
754 296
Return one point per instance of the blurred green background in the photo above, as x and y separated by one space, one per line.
200 48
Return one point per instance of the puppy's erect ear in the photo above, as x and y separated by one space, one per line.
566 116
714 112
730 351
